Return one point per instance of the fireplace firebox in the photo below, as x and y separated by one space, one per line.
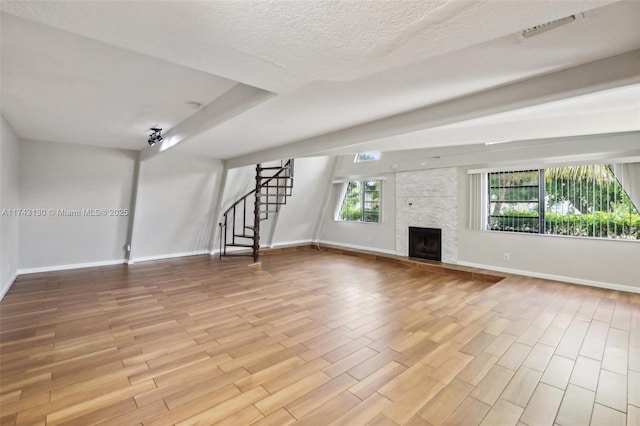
425 243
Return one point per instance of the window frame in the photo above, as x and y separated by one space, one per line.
592 221
376 154
517 218
362 200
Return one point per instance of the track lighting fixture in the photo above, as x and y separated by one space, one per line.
155 136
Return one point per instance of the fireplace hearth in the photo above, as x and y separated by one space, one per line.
425 243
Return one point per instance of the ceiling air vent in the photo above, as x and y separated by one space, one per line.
548 26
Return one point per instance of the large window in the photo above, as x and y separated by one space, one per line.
586 201
361 202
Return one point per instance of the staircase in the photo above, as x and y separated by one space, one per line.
273 188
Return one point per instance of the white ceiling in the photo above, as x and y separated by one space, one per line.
61 87
607 111
102 72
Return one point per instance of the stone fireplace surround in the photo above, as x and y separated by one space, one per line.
428 199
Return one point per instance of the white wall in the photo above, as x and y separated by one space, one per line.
64 176
377 236
9 199
178 194
175 206
239 182
606 263
601 262
297 219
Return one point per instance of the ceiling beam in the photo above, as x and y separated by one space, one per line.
609 73
533 153
232 103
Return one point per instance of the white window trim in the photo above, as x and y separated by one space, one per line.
482 214
344 183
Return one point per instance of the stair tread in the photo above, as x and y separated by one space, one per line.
280 181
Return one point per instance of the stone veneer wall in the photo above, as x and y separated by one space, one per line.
434 204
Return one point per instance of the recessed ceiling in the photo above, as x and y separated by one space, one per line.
102 72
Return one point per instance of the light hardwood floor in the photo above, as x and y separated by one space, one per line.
316 338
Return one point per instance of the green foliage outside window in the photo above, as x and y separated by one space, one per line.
579 201
361 202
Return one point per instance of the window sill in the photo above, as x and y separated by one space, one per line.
353 221
560 236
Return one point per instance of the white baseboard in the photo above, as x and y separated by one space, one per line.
291 243
8 286
169 256
70 266
570 280
355 247
230 250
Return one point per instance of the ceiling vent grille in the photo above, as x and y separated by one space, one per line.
548 26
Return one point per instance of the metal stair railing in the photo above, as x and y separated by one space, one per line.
270 192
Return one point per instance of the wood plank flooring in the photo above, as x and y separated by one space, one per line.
313 338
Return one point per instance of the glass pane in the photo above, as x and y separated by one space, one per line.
513 201
588 201
372 216
528 177
526 193
531 177
352 204
372 201
513 224
527 209
361 202
367 156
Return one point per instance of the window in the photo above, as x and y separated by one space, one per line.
586 201
514 199
367 156
361 202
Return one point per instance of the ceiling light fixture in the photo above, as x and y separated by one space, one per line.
548 26
496 142
155 136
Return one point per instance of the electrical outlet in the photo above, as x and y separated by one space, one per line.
506 256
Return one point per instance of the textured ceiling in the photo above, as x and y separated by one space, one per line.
281 46
322 107
71 69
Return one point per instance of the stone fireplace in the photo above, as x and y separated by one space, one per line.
428 199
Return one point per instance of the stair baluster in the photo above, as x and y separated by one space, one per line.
282 181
